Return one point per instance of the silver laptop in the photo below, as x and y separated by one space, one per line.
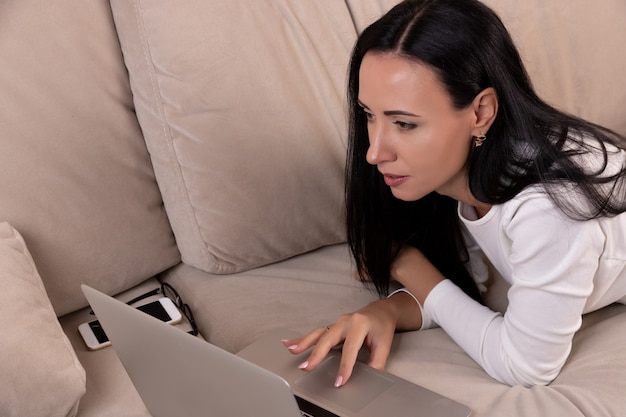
177 374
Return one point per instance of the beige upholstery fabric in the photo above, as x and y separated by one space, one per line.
365 13
241 104
574 52
300 294
75 177
36 358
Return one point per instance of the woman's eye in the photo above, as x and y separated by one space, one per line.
369 116
405 125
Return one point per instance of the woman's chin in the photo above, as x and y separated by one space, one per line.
405 195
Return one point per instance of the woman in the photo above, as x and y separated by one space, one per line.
450 147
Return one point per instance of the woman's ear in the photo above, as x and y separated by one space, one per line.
485 106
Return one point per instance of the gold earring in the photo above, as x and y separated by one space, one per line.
478 140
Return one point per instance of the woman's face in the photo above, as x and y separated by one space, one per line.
418 140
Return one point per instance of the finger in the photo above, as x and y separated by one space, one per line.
301 344
293 344
326 342
379 352
349 354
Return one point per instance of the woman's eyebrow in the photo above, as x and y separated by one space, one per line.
390 112
399 113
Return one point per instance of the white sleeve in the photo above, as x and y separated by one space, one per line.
427 323
553 260
477 267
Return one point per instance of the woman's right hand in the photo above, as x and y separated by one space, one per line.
372 326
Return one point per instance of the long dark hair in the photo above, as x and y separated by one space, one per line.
529 142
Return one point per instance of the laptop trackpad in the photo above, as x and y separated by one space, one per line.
364 385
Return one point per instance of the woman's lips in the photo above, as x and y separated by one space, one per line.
394 180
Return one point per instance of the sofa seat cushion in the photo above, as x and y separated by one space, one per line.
313 289
40 373
298 294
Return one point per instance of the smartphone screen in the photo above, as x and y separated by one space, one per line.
101 336
154 308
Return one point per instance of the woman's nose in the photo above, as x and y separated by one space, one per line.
378 150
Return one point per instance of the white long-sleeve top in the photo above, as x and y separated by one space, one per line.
558 269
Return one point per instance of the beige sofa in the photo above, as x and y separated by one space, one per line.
203 142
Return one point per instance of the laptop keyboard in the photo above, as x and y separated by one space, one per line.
308 409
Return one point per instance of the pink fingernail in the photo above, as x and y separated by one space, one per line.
338 381
303 365
292 347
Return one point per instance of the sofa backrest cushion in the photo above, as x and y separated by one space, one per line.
75 176
574 52
241 105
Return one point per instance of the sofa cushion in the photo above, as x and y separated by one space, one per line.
242 108
574 53
313 289
41 375
75 176
301 293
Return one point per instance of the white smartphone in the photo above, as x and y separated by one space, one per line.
164 309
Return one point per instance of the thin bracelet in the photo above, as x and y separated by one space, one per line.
427 323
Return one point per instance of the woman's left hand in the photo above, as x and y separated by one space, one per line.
372 326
